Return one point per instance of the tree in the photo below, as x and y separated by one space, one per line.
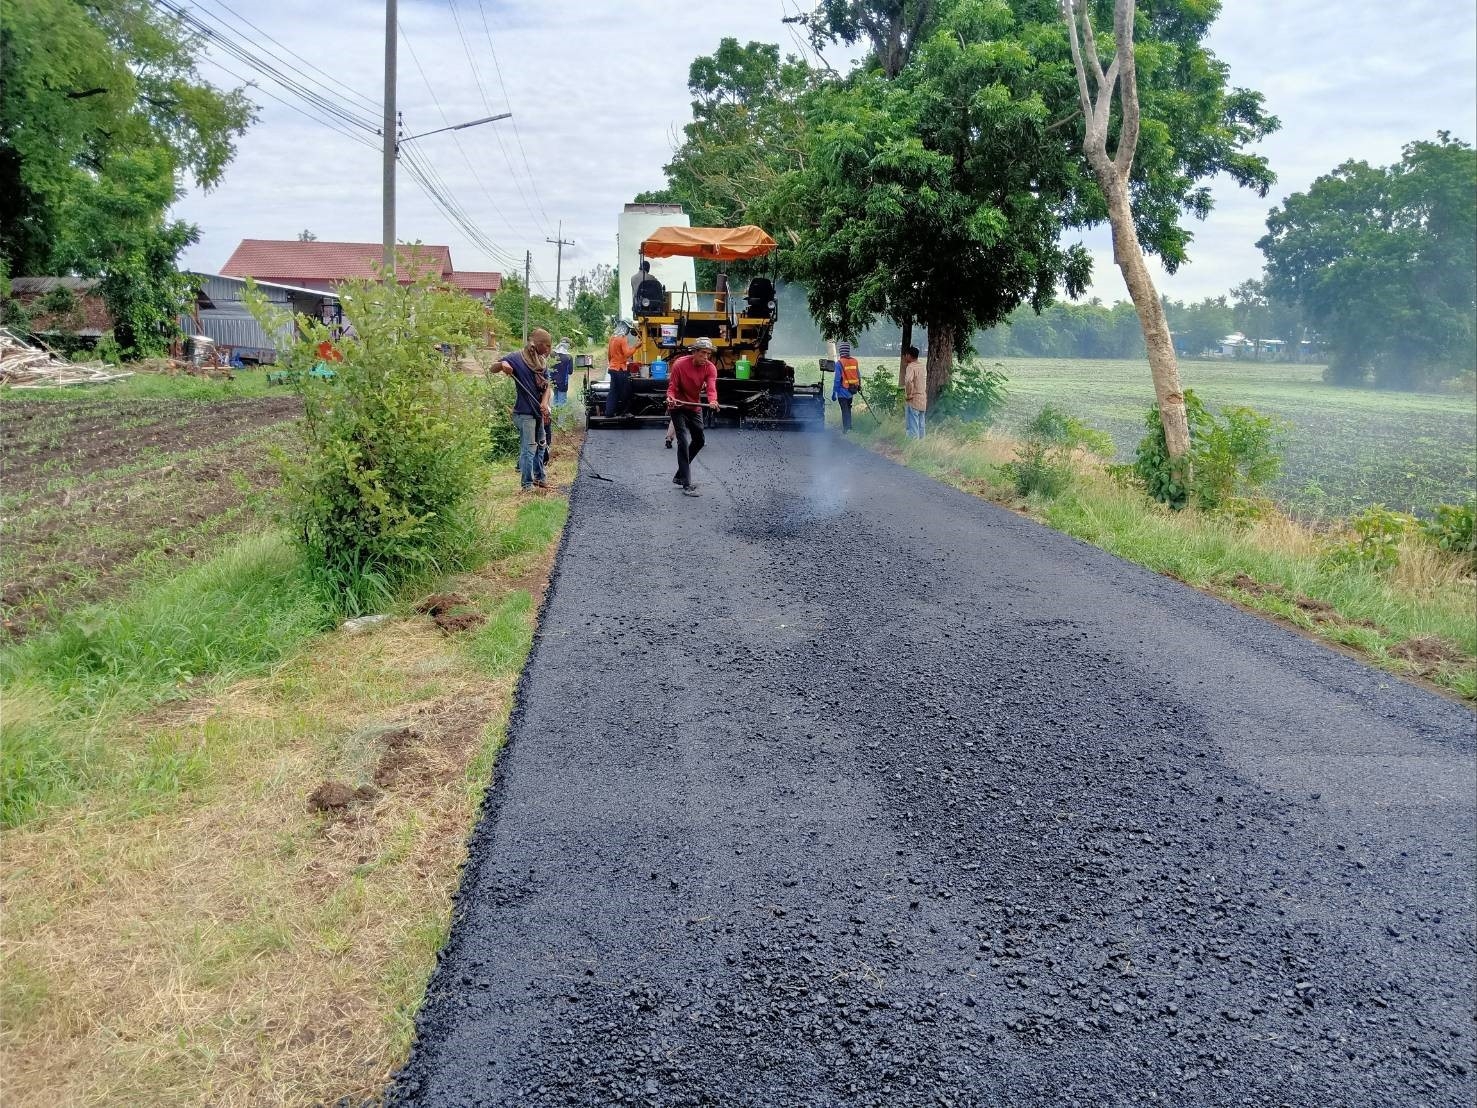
1095 89
596 301
935 197
938 192
747 130
893 27
306 236
1382 262
101 111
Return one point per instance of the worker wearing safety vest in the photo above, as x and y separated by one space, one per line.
848 383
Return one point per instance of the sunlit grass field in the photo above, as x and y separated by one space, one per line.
1346 448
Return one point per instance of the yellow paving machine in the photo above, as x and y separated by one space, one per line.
753 389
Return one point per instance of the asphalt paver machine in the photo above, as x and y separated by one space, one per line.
753 389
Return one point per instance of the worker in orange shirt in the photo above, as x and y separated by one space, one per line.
620 355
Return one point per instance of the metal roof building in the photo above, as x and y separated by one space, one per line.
220 314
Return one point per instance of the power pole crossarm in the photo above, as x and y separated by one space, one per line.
561 242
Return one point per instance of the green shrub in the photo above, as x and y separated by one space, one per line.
881 393
1454 529
1372 540
1054 426
1043 465
496 396
1233 456
394 441
1039 469
972 395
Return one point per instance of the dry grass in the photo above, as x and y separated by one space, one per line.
225 944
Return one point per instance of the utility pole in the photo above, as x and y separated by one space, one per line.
390 144
561 242
527 272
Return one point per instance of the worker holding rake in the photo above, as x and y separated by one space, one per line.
689 376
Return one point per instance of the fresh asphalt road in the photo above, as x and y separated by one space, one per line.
838 786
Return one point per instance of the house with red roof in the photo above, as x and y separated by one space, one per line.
323 266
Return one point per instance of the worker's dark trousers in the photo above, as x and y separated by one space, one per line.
615 396
845 403
688 423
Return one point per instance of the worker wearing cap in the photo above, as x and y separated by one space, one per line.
689 376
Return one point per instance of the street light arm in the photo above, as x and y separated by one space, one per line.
458 126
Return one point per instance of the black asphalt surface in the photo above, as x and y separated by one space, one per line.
838 786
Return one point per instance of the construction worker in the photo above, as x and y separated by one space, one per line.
560 373
848 383
620 354
532 405
915 389
689 376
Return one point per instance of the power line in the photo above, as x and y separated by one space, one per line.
330 80
517 137
507 260
333 125
435 189
226 40
487 103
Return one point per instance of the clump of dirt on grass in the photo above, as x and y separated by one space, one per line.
1428 652
331 796
399 756
452 612
1319 609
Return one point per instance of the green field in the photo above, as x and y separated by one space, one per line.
1346 448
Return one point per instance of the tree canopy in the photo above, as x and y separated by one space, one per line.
934 183
102 116
1383 261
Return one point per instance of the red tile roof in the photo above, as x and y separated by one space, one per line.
290 261
476 279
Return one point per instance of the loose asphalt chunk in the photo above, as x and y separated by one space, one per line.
839 787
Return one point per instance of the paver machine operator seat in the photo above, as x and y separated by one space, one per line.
650 298
760 302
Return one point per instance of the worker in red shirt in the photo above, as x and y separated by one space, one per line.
689 375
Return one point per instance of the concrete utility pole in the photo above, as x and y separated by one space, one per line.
390 151
527 271
561 242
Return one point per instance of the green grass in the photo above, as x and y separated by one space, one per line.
158 386
1347 448
231 615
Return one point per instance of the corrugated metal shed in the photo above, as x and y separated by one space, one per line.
221 314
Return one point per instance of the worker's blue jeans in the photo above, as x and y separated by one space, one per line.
615 396
916 420
560 398
530 457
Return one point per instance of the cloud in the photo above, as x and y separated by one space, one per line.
598 91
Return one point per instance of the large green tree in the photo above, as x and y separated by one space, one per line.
935 196
102 118
938 190
1383 261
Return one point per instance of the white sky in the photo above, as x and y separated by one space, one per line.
598 89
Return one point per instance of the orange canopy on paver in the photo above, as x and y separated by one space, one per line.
719 244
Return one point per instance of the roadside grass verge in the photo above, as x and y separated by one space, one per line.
1419 621
260 928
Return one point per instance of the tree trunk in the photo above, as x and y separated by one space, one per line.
1163 366
902 354
940 358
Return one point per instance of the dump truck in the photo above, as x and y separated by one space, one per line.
753 389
